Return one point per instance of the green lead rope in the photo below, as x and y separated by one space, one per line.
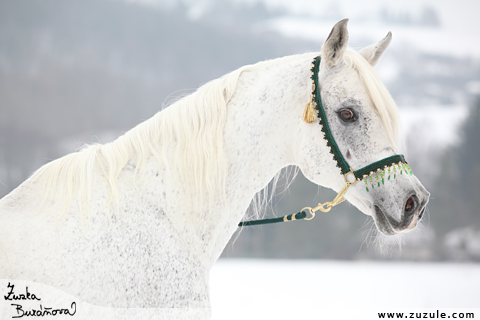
291 217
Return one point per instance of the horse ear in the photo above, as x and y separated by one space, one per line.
336 43
374 52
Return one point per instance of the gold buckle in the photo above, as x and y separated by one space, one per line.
354 179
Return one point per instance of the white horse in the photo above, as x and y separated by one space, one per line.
140 221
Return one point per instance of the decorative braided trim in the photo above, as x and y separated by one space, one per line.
379 170
317 102
379 165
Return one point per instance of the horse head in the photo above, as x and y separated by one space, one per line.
363 121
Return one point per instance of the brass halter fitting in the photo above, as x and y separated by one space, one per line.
327 206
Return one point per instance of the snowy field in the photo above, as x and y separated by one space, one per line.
312 289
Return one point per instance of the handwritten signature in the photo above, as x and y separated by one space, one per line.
41 311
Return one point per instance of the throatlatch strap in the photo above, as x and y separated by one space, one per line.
291 217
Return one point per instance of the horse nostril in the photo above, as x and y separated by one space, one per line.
410 205
421 213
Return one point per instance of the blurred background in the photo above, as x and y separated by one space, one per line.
82 71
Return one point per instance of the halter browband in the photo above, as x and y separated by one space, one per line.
376 169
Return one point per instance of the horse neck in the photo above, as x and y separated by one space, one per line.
260 131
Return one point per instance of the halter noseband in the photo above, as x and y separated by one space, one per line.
376 169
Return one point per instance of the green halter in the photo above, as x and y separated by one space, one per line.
374 172
376 169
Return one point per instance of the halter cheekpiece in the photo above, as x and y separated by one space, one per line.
375 173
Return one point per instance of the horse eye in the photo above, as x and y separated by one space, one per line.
347 115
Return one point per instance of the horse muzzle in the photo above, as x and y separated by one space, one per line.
411 213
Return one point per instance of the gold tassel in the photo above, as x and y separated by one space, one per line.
309 113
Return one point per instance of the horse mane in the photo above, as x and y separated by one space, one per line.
383 102
189 131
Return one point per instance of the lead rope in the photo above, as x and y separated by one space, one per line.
324 207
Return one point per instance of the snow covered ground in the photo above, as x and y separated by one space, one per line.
316 289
